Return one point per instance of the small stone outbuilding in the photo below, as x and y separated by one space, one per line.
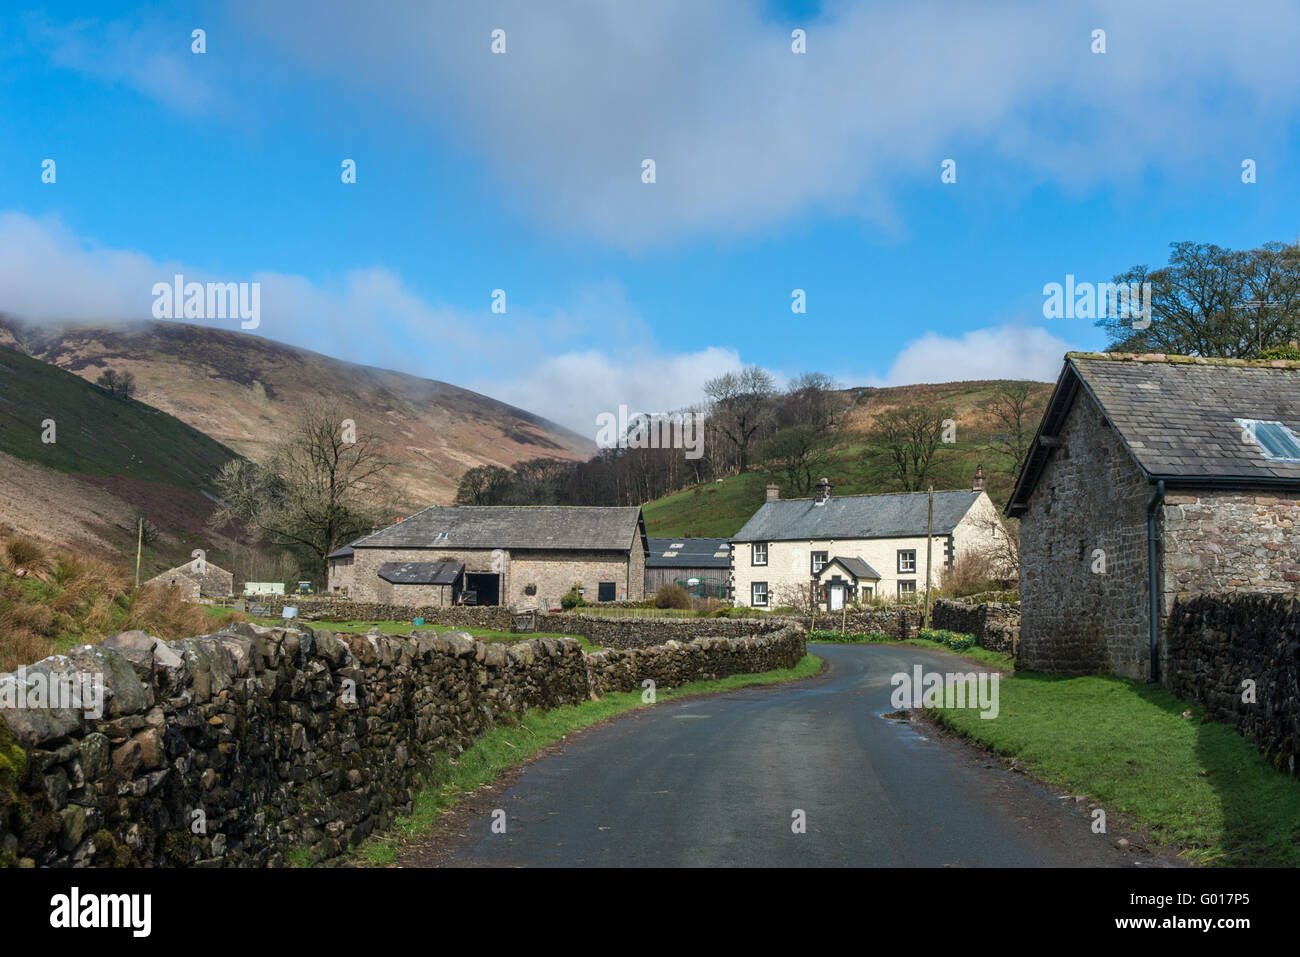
1153 478
198 579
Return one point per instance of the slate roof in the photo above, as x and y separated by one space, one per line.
856 516
1175 415
689 553
421 573
512 526
855 566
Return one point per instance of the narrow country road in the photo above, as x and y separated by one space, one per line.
714 781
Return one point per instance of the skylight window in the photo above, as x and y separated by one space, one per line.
1274 439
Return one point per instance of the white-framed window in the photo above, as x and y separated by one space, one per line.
819 560
758 594
760 553
907 561
907 589
1275 440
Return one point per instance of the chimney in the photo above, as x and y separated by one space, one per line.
823 491
773 492
978 485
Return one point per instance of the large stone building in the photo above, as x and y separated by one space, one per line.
837 550
523 556
1152 478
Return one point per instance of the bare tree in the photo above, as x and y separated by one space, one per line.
910 435
1017 411
318 490
740 407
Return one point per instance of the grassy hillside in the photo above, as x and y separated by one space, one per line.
111 462
95 434
247 391
718 509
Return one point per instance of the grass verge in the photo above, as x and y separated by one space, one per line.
509 744
1189 782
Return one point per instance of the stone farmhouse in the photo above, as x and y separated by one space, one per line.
705 561
198 579
837 550
1153 478
523 556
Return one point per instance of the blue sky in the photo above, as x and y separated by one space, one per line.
522 171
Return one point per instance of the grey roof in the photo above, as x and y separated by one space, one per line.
343 552
855 566
421 573
689 553
512 526
1175 415
856 516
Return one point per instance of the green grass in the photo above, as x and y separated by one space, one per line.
405 628
1198 786
508 745
97 435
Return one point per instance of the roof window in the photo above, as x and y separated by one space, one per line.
1274 439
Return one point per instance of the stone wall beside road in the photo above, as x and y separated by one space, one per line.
235 749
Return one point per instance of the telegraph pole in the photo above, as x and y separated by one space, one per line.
929 549
139 546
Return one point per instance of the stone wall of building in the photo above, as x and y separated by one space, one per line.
1218 643
240 747
1220 542
1090 496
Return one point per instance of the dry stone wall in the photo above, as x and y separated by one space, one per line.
1218 643
235 748
995 625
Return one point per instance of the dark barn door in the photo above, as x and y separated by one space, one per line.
605 591
487 587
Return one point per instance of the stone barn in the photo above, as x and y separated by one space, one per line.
522 556
1152 478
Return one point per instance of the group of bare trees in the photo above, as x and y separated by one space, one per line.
749 424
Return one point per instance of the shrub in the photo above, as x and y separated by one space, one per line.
952 640
672 596
571 599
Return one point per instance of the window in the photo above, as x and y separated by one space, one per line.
758 594
1273 438
907 589
760 553
605 591
818 561
907 560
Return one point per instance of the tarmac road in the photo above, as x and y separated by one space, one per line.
715 781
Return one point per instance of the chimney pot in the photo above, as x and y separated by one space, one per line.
823 491
773 492
978 485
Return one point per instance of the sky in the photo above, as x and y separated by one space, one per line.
523 171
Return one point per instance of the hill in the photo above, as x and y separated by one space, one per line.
244 391
110 461
718 509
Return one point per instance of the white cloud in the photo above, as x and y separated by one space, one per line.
538 361
154 60
1002 352
748 135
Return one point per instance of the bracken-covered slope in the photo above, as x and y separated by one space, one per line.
246 391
